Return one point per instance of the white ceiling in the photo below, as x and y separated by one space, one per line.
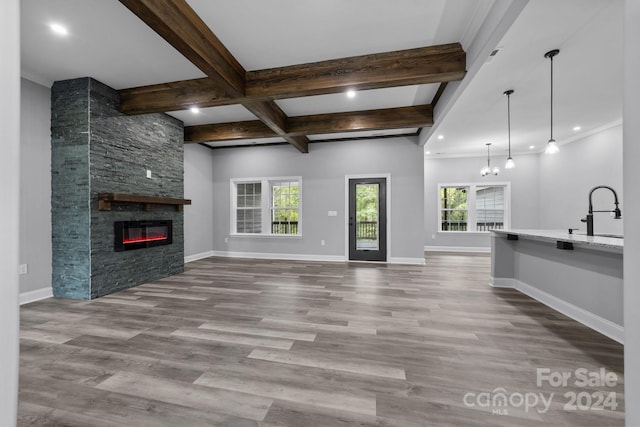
109 43
106 41
587 81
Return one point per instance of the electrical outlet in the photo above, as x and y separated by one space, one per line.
321 242
433 236
23 269
149 173
226 240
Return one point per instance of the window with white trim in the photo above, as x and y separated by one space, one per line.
473 208
266 206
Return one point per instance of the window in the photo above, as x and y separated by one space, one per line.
473 207
266 206
285 202
248 208
489 208
453 211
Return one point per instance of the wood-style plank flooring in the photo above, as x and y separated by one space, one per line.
234 342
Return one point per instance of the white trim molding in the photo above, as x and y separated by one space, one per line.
310 257
285 257
407 261
196 257
595 322
461 249
37 295
502 282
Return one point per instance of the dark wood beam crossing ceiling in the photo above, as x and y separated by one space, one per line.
228 83
425 65
415 66
388 118
182 28
272 116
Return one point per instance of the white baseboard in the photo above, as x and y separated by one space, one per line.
306 257
196 257
287 257
502 282
595 322
462 249
37 295
409 261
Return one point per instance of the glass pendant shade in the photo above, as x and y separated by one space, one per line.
552 147
510 163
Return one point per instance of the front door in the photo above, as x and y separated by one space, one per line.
368 219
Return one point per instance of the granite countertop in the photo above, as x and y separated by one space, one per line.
563 235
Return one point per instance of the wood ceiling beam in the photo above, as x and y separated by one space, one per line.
415 66
182 28
388 118
272 116
253 129
174 96
434 64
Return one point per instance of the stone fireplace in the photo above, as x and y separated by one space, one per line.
97 150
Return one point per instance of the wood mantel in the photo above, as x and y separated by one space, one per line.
105 199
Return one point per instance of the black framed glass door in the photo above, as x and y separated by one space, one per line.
368 219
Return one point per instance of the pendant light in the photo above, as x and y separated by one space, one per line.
552 145
510 164
487 169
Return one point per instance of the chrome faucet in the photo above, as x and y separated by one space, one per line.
589 217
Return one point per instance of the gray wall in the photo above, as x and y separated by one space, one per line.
632 210
566 178
323 173
35 186
198 186
547 192
9 214
524 195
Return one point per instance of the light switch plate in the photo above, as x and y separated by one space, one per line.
149 173
333 213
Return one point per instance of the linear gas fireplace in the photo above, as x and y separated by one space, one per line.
142 234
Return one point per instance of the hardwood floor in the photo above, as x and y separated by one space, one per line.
280 343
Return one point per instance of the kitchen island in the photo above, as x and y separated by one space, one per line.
577 275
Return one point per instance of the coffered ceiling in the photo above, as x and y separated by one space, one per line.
278 71
260 72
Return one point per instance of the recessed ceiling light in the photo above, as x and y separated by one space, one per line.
58 29
351 93
194 110
531 147
440 136
577 128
